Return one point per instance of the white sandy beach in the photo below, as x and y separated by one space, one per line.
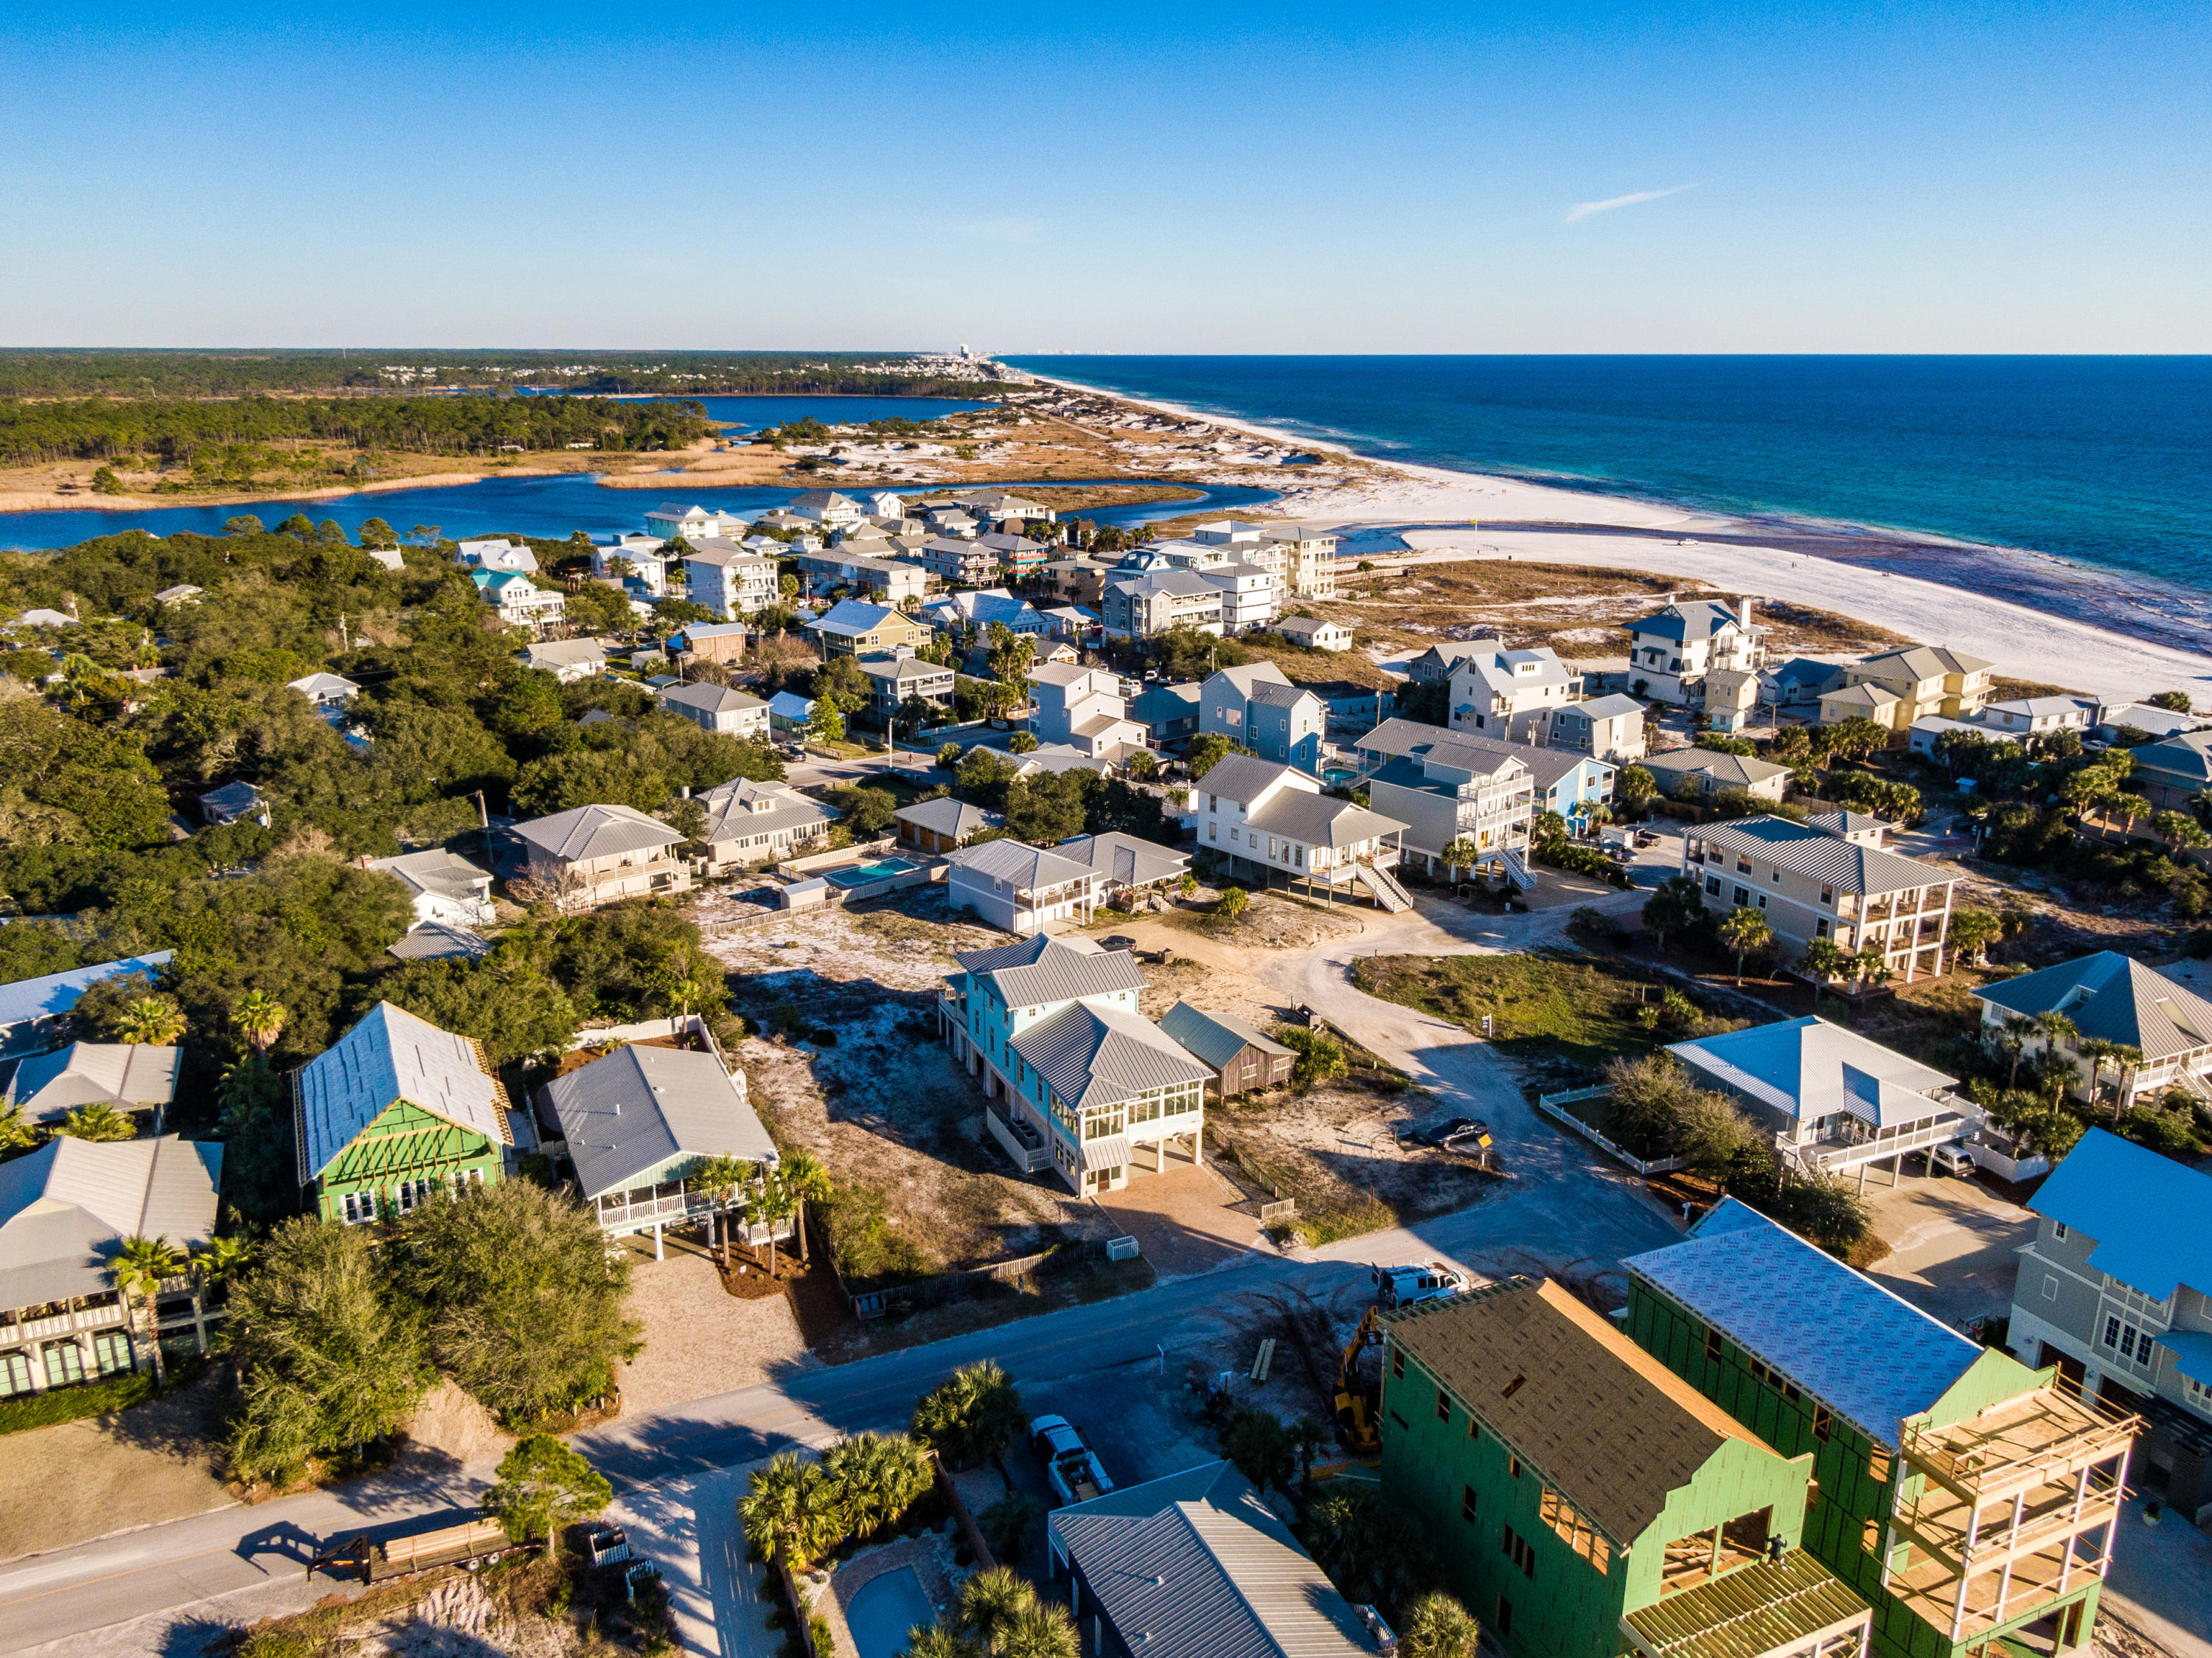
2025 643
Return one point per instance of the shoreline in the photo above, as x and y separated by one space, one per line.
2042 618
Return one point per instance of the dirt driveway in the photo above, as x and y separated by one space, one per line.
1185 1219
701 1340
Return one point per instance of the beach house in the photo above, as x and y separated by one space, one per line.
672 520
66 1209
234 802
731 580
2115 1290
442 887
594 855
1972 1502
1671 650
1019 888
893 681
1169 712
1610 728
520 601
826 507
750 823
1509 694
1255 706
393 1114
1810 882
129 1077
2161 1029
943 825
1242 1061
1082 708
1313 633
1896 687
1261 819
2172 773
1691 774
1249 595
1309 560
1075 1078
1139 606
1448 791
710 642
851 628
1126 865
567 660
1583 1499
718 708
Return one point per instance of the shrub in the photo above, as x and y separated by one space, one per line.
92 1399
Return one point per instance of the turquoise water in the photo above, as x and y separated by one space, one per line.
882 1611
860 873
2106 461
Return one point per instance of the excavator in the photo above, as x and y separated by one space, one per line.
1357 1399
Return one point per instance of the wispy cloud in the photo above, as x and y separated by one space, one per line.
1584 209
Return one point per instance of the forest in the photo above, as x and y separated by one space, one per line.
171 431
139 374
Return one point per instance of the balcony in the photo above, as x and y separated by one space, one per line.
1832 1153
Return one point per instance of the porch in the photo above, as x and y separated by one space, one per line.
58 1345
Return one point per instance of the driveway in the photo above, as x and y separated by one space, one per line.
1182 1219
1951 1242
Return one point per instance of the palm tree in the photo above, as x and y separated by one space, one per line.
1824 959
151 1019
939 1642
2057 1030
1042 1630
791 1513
2014 1032
222 1258
98 1121
1743 930
720 1178
139 1269
2096 1050
879 1477
261 1016
1438 1626
775 1203
807 1182
1461 854
991 1603
2125 1056
16 1130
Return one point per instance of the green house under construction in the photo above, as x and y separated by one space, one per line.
395 1111
1584 1501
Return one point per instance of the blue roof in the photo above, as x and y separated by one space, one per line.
2192 1353
2146 1212
57 993
1868 1356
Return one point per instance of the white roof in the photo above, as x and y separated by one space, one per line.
1808 1068
323 685
46 1086
436 871
1025 868
390 1056
710 699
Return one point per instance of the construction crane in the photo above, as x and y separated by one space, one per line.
1356 1401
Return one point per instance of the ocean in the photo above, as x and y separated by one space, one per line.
2102 461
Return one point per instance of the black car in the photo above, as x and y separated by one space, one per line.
1458 1134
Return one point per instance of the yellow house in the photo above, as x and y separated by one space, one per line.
1921 681
851 628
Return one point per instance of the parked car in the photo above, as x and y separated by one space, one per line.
1410 1285
1455 1134
1070 1465
1950 1160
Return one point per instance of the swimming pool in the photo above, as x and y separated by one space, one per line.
861 874
882 1611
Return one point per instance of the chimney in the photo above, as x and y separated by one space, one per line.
1743 612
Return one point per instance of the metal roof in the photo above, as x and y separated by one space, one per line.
231 797
1928 661
1042 970
1125 860
565 652
1808 1068
1319 820
1696 618
852 616
1402 738
438 872
1828 859
1024 866
641 1107
1215 1038
1601 708
1742 770
2113 998
1094 1056
66 1208
390 1056
1611 1427
947 816
596 831
1197 1566
1872 1357
2147 1213
46 1086
57 993
1268 693
710 699
1243 778
440 941
1764 1607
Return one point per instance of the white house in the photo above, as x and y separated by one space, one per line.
748 821
956 563
1248 595
325 690
1019 888
1671 650
634 560
1082 707
1274 820
881 503
520 601
718 709
567 660
1511 695
595 854
729 580
497 555
672 521
1310 563
2037 716
444 887
827 506
1313 633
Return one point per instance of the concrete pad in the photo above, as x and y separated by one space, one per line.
1182 1219
1951 1242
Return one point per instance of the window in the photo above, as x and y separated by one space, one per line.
2197 1393
1504 1622
1820 928
1473 1429
2049 1287
65 1364
111 1351
1514 1547
1713 885
1213 831
1827 895
359 1207
1743 895
15 1374
1466 1502
1712 1346
1444 1405
1398 1362
1823 1423
2058 1230
1870 1538
1774 1379
1513 1466
1878 1465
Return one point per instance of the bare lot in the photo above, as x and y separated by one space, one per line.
701 1340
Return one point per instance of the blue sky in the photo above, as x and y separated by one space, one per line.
1902 177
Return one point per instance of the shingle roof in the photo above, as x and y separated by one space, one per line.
231 797
437 871
1871 1356
2146 1212
947 816
639 1107
1025 868
323 685
392 1055
596 831
1125 860
1214 1037
1827 859
46 1086
1197 1566
1094 1056
1614 1430
1042 970
1808 1068
57 993
2114 998
66 1208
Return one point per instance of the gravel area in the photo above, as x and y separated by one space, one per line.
701 1340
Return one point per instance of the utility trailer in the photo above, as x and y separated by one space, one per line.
469 1540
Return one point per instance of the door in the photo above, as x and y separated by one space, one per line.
2070 1370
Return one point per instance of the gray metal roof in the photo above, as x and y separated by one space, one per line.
565 652
440 941
437 871
1273 695
1094 1056
1602 707
2146 1212
1025 868
1125 860
390 1056
1729 771
947 816
46 1086
1402 738
1320 819
641 1108
233 797
1042 970
596 831
1696 618
1833 861
851 616
1248 677
1808 1068
1197 1566
1214 1037
710 699
66 1208
57 993
1926 661
901 668
1241 778
1870 1357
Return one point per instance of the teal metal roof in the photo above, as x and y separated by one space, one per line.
2147 1213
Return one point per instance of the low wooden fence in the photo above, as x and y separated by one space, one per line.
952 1286
1553 1106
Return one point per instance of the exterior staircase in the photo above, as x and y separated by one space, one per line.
1385 888
1517 871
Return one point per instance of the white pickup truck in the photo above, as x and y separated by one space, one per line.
1421 1280
1069 1462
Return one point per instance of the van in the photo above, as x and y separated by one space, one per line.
1950 1160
